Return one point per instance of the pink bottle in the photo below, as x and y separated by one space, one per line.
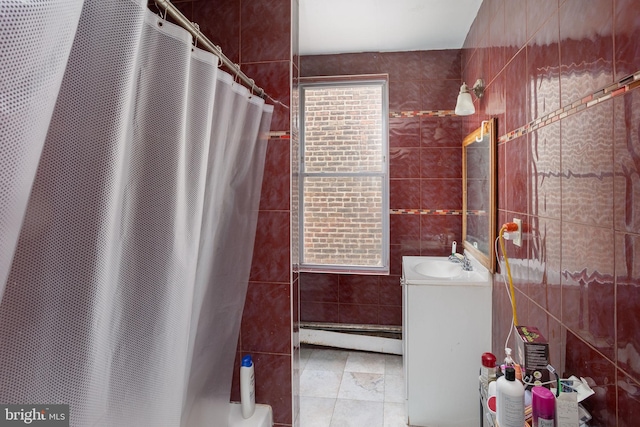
543 407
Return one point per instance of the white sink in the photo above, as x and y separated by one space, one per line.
438 268
452 312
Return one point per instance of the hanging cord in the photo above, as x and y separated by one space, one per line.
509 287
506 261
506 288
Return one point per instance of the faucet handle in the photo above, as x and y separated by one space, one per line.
466 263
456 257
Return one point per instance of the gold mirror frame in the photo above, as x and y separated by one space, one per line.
487 257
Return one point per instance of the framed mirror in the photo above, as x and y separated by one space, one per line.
479 183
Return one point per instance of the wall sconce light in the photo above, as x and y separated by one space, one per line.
464 106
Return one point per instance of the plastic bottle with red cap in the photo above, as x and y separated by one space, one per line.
488 369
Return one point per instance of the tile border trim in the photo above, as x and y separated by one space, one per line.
621 87
421 113
285 134
425 211
618 88
435 212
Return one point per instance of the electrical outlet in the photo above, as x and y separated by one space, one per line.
517 239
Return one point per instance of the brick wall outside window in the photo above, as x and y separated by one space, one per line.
343 222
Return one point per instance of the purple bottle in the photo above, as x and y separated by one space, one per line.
543 407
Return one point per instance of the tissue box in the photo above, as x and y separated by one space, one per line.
532 353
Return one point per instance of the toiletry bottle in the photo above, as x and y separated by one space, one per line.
491 397
510 400
247 387
488 369
508 361
543 407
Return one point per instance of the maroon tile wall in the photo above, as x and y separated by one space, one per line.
257 35
574 182
220 22
425 166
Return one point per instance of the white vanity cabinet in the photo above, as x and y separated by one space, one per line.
446 328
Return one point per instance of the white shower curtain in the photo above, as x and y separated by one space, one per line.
130 171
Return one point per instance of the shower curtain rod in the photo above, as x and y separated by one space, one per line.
216 50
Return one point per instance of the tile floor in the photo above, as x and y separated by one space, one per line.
343 388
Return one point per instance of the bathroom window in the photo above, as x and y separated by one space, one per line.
344 185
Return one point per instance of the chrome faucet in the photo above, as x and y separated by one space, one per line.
463 260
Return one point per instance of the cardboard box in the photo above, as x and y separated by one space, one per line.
532 353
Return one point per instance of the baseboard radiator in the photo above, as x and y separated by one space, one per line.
374 338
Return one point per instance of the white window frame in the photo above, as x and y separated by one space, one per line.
347 81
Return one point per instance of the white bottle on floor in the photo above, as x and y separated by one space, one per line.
247 387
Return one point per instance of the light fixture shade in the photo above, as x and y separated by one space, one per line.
464 106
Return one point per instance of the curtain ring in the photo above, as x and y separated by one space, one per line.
160 10
195 39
